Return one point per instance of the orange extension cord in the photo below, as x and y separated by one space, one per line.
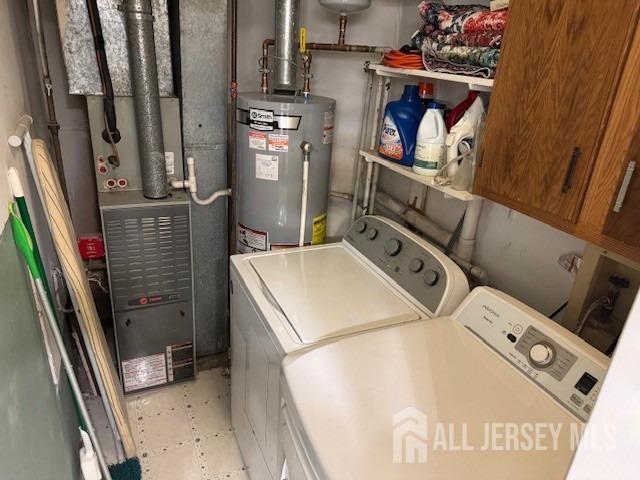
398 59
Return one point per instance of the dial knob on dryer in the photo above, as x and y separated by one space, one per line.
372 234
393 247
431 277
415 265
361 226
541 354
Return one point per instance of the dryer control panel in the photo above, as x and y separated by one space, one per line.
562 364
416 266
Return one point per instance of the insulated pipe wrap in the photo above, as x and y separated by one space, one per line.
287 19
146 98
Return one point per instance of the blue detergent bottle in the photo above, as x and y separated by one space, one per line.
400 127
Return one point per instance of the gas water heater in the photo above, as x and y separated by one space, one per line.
271 131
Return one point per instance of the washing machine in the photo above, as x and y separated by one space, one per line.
494 391
282 301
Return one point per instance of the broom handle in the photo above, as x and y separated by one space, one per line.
72 377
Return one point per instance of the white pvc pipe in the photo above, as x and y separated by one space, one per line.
191 183
467 240
15 139
306 149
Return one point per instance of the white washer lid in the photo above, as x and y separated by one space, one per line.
343 397
326 292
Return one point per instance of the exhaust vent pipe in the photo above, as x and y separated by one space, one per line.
146 98
287 19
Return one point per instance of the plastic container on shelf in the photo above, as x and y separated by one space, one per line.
400 126
430 142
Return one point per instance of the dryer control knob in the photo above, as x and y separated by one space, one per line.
372 234
541 354
361 226
393 247
415 265
431 277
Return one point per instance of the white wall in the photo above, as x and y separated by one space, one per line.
519 253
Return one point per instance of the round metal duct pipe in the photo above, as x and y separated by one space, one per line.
287 19
146 98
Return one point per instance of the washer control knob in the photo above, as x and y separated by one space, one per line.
415 265
541 354
393 247
431 277
372 234
361 226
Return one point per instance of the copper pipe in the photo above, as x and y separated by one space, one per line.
264 85
306 89
343 29
335 47
341 46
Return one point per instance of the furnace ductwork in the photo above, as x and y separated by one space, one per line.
144 83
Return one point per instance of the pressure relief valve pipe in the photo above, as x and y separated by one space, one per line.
307 148
191 184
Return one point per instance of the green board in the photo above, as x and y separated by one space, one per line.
38 426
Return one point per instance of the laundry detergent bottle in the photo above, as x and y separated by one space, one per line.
431 140
400 126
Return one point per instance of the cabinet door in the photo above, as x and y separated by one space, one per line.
623 223
556 79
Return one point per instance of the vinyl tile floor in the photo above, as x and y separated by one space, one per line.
183 431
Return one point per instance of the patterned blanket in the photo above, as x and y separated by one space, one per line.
462 18
460 38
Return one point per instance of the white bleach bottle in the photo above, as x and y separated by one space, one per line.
431 141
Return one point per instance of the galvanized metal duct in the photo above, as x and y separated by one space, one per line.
287 19
144 83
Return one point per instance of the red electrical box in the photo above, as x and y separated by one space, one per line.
91 246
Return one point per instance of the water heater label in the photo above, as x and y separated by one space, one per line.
267 167
251 240
257 140
327 128
278 142
260 119
319 232
144 372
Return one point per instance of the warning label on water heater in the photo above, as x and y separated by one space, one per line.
251 240
267 167
257 140
327 128
144 372
319 231
278 142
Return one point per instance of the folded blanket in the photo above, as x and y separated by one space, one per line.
441 66
485 57
473 39
461 18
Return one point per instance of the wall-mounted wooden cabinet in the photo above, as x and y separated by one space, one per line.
564 119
